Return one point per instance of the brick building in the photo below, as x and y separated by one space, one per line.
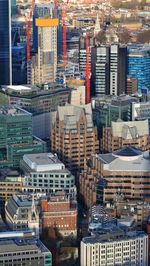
59 212
126 171
74 136
135 133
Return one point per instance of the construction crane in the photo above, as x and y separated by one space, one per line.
64 33
87 70
55 8
28 30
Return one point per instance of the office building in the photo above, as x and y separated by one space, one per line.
41 10
74 137
82 53
101 69
11 183
120 134
22 213
140 110
45 173
44 63
58 211
19 66
115 247
108 109
139 64
132 85
5 43
125 171
16 136
37 98
23 248
109 65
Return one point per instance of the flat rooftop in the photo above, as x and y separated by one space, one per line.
11 110
31 91
21 245
43 162
114 234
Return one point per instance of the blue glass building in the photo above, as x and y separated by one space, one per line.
5 42
139 64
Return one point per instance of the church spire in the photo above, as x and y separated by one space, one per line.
97 27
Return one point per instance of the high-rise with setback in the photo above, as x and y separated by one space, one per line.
5 43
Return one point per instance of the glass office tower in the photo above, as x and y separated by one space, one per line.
5 43
139 64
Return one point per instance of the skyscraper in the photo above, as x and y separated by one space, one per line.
139 64
5 43
44 63
109 69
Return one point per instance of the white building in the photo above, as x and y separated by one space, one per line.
45 173
115 248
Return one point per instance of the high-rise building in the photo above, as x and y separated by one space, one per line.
23 248
44 63
5 43
41 10
139 64
100 67
19 66
82 53
109 65
115 247
74 137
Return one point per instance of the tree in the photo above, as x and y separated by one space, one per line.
124 36
100 37
143 37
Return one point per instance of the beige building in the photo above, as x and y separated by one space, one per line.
120 134
44 63
74 137
115 248
126 171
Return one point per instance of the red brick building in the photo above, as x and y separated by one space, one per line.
59 212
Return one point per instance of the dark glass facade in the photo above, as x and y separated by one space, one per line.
5 42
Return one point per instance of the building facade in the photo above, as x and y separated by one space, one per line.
22 213
45 173
5 43
16 136
22 248
125 171
74 136
59 212
132 85
115 248
139 64
11 183
109 65
36 99
44 63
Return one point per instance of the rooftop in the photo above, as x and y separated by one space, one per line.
113 234
43 162
130 130
23 241
11 110
126 159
